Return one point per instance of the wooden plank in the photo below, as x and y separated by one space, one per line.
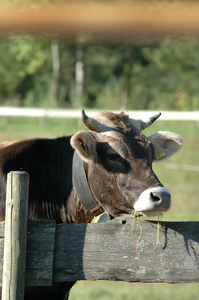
115 250
102 18
106 251
15 236
40 252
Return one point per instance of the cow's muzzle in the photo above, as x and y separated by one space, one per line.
153 201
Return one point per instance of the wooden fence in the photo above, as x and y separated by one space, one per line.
108 20
43 113
122 249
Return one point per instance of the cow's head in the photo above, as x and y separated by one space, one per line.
118 161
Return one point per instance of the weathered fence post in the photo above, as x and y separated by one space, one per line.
15 236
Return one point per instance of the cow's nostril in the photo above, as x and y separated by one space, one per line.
155 197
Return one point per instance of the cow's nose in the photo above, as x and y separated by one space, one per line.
160 194
153 201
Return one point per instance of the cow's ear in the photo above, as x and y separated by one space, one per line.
165 144
85 145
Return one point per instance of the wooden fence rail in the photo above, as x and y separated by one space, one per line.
116 250
122 249
106 18
44 113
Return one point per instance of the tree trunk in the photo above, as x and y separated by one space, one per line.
56 72
79 71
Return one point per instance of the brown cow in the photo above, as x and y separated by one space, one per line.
72 179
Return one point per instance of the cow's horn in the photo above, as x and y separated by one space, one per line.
148 122
86 120
91 123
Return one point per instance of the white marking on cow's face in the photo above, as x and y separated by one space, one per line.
153 202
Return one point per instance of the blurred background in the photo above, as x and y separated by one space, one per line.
47 72
141 73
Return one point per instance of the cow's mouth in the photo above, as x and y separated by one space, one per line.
148 213
152 213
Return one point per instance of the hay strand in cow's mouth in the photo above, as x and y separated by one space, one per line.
158 228
135 216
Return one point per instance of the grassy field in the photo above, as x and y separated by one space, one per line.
183 185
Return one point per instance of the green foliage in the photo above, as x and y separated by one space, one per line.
164 76
23 58
171 74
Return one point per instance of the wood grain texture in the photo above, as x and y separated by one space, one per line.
40 252
116 250
121 250
15 235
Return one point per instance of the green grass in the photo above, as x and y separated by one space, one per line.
21 128
183 185
106 290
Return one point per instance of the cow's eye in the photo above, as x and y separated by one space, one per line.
114 157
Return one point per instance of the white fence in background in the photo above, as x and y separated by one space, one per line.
76 113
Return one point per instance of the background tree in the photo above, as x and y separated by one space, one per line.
42 71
